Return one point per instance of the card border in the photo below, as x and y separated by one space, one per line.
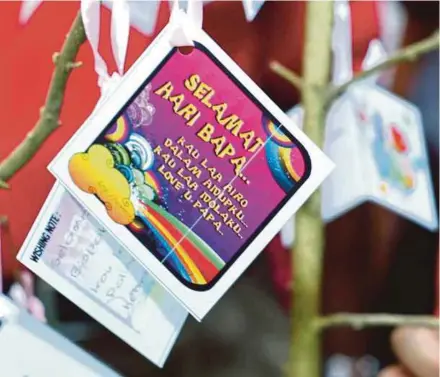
288 195
198 303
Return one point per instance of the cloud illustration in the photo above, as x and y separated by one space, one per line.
94 172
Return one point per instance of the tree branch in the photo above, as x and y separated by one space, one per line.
360 321
406 54
50 113
308 252
287 74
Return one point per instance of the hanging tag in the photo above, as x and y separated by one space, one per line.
68 249
31 348
392 154
388 163
377 137
198 192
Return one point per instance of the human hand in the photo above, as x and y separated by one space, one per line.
417 350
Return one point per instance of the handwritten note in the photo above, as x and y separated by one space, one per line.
69 250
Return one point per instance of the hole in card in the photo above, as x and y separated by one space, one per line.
186 50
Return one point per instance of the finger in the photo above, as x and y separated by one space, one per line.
417 349
394 371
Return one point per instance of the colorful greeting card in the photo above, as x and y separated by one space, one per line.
191 167
68 249
30 348
383 137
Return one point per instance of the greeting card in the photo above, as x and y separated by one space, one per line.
190 167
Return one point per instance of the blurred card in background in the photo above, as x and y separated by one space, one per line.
68 250
30 348
380 155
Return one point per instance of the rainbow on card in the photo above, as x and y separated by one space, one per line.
153 182
284 159
275 134
187 254
120 130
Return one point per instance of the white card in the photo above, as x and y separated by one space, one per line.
69 250
380 156
30 348
198 168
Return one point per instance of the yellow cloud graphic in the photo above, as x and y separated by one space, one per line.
94 172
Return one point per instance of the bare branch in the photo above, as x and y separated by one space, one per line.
406 54
287 74
308 252
50 112
361 321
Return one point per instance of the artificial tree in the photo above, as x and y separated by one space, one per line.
317 96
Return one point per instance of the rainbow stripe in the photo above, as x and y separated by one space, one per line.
199 262
136 226
276 135
153 182
285 155
120 130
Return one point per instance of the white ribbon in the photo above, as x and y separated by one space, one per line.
185 23
120 28
251 8
343 51
91 17
120 32
143 13
342 43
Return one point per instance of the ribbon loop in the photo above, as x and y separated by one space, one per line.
185 22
